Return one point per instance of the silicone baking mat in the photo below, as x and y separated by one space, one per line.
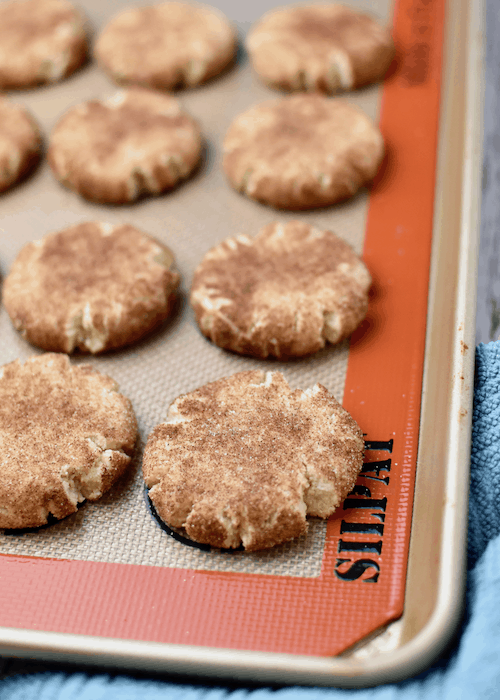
109 570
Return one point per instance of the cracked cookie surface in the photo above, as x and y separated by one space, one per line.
66 434
20 143
302 151
91 287
170 45
41 41
319 47
284 293
244 460
137 142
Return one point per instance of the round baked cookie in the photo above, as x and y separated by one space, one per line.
136 142
325 47
284 293
166 46
66 435
41 41
91 287
20 143
302 151
245 459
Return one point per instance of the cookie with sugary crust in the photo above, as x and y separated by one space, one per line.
319 47
284 293
302 151
66 435
91 287
244 460
166 46
137 142
41 41
20 143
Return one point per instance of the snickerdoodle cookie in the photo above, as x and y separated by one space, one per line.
302 151
284 293
174 44
66 435
136 142
20 143
244 460
319 47
91 287
41 41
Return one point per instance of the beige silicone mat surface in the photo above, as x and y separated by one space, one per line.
176 359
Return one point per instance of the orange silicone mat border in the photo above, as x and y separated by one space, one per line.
361 586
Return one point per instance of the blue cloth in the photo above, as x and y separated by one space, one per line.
471 669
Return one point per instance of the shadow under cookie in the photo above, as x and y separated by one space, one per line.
243 460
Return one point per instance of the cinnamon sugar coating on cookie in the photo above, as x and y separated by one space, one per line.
302 151
319 47
170 45
284 293
92 287
66 435
245 459
41 41
136 142
20 143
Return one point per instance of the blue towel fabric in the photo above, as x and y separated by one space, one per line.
471 667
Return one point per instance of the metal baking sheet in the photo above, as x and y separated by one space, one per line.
156 603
